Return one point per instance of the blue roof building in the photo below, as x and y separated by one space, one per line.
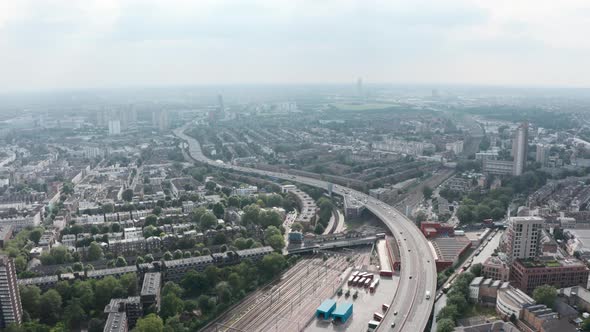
325 309
343 312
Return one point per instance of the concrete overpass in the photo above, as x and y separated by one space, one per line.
418 270
343 243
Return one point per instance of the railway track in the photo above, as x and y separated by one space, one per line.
290 305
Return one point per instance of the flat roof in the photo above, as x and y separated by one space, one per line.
116 321
342 308
151 283
448 248
327 305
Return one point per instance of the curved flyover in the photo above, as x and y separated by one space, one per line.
410 309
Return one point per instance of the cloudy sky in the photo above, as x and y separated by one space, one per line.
47 44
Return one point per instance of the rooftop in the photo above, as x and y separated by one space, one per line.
116 322
151 283
342 308
327 305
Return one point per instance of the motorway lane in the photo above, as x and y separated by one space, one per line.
417 259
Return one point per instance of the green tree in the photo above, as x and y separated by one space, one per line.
30 297
213 274
251 213
210 185
177 254
296 227
241 243
115 227
20 263
35 235
195 283
218 210
476 269
167 256
272 264
448 312
129 283
74 314
465 214
83 291
235 281
105 290
208 220
223 292
149 323
427 192
457 299
204 302
546 295
233 201
277 242
127 195
445 325
152 220
172 288
171 305
50 307
174 324
319 229
120 262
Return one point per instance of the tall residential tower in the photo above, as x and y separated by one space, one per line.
10 306
522 239
519 148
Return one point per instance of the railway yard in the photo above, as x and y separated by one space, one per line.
289 304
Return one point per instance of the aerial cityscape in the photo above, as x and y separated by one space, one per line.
161 171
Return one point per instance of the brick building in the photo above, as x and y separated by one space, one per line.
529 274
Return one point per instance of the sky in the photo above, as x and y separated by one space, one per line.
62 44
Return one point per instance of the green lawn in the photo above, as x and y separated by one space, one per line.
477 310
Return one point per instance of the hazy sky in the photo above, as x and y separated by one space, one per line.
106 43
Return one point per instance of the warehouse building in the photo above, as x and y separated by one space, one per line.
325 309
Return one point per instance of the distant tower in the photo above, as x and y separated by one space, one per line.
519 148
542 153
11 310
435 94
114 127
359 88
160 120
220 102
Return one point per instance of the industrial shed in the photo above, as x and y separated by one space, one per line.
343 312
325 309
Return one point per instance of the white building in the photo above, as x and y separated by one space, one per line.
246 191
522 238
474 289
114 127
456 147
510 301
519 148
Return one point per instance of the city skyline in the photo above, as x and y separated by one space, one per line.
117 44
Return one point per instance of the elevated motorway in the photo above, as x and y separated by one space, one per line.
418 270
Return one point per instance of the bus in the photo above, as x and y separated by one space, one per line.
377 316
373 324
446 288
